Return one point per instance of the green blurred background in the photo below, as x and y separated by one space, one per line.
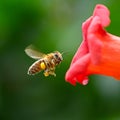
51 25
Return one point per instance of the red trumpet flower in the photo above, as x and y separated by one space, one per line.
99 52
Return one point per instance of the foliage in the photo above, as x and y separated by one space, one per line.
51 25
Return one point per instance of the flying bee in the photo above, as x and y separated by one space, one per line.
46 62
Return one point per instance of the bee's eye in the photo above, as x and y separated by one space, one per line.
56 55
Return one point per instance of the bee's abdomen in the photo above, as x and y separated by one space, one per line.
35 68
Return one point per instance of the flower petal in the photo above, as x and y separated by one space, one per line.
83 49
103 13
94 37
77 70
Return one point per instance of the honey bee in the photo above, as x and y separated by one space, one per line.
45 62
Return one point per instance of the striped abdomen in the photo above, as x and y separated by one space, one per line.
35 67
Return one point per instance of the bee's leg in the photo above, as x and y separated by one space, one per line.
48 72
52 72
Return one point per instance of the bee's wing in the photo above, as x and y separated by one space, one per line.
34 53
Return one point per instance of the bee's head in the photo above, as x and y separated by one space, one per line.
58 56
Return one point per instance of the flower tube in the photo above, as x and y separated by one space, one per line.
99 52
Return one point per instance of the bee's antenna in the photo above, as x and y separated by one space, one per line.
66 52
62 53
